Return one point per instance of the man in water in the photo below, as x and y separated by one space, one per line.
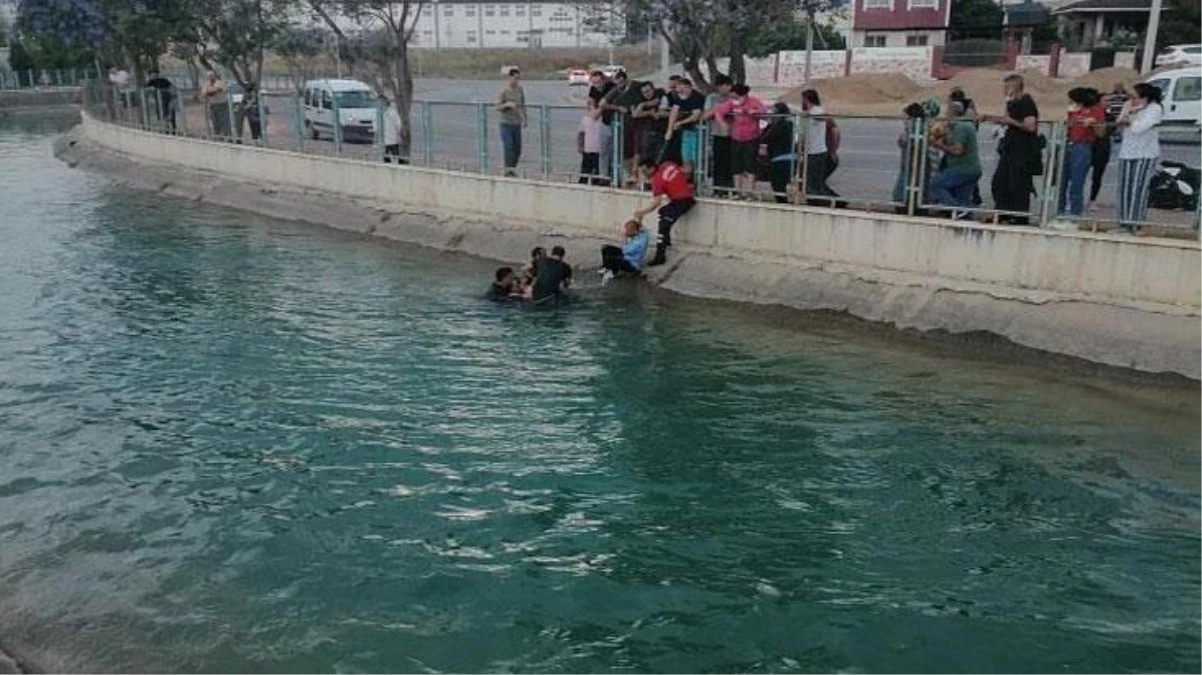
551 276
504 287
627 259
528 269
668 183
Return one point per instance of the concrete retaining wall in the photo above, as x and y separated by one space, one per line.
1126 279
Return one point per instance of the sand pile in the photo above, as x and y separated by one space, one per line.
862 88
1104 79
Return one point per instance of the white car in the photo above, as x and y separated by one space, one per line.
611 70
1181 89
578 78
355 103
1179 55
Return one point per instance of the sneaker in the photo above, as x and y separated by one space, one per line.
606 277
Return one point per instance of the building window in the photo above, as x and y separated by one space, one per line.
490 32
915 41
536 11
489 11
471 36
874 40
504 10
470 11
878 4
449 10
520 10
927 4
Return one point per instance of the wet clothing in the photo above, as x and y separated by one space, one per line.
628 258
550 275
499 292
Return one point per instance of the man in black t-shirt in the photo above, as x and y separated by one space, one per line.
164 91
686 107
552 276
1019 153
649 122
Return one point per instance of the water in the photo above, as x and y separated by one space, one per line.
232 444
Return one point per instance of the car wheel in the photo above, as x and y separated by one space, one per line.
312 130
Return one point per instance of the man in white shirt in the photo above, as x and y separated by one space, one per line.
817 158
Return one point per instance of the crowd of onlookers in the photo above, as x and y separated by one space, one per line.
749 141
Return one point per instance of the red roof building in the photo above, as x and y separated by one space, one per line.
899 23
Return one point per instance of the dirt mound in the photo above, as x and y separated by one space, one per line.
860 89
1104 79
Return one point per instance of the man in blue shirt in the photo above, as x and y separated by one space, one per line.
629 257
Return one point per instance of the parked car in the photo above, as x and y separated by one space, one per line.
1181 89
357 108
577 77
1179 55
611 69
505 70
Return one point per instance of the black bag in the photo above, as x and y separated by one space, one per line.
1174 186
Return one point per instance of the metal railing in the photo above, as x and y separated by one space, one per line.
46 78
884 164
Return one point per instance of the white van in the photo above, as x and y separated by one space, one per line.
356 108
1181 89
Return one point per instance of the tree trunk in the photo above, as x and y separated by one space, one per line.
738 67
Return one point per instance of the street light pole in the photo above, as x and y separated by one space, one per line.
1150 40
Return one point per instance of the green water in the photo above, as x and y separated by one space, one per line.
232 444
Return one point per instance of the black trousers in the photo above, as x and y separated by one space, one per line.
818 168
1012 186
722 171
668 215
612 260
779 174
590 168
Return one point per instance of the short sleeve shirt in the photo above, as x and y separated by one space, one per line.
669 179
1019 139
964 135
695 101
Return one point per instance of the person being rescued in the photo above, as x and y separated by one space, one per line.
628 258
529 268
505 287
668 183
552 276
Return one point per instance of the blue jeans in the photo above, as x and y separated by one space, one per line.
1077 159
511 142
953 186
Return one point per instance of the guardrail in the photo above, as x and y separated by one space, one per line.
883 164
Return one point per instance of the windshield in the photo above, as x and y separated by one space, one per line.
356 99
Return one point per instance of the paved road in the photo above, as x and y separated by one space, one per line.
869 154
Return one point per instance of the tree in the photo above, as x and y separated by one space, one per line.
377 33
975 19
792 37
1180 23
233 33
300 48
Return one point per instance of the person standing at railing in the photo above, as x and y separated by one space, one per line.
511 103
249 110
392 133
1138 153
743 112
686 108
621 98
953 184
1019 153
164 97
588 144
214 95
1084 119
599 88
817 167
649 123
778 147
721 163
1103 147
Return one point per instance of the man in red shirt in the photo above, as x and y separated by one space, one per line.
670 183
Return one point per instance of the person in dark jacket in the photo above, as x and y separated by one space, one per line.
777 146
1019 154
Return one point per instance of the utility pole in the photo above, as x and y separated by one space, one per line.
1150 40
809 43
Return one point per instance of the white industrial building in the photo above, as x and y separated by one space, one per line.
468 24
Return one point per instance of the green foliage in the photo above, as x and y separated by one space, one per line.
1180 23
791 36
975 19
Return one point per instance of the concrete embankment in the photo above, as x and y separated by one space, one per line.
1114 300
12 101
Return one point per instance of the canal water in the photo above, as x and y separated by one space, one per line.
234 444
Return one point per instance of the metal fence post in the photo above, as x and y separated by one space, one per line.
181 108
427 135
294 119
914 183
1051 175
703 156
482 136
336 108
616 148
544 138
229 105
377 137
803 147
262 111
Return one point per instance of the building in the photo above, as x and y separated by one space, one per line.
900 23
470 24
1086 24
8 12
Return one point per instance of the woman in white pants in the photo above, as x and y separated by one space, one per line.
1138 154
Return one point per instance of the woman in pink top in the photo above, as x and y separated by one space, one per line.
743 112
